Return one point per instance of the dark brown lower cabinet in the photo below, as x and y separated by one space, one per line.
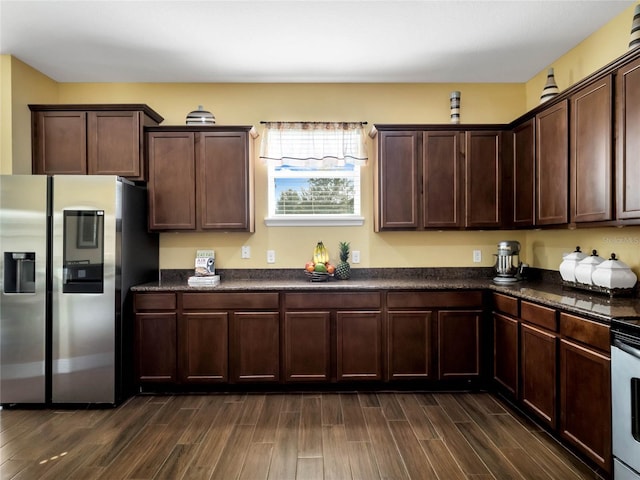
358 346
203 351
155 337
585 401
255 346
307 346
459 344
505 352
156 347
538 358
409 347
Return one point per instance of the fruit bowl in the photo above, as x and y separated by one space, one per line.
317 276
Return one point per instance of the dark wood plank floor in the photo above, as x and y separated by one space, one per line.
284 436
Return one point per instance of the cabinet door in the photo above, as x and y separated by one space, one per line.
115 144
409 345
156 347
538 372
255 347
307 346
359 346
442 180
552 165
398 180
585 401
203 347
591 161
223 181
628 141
505 352
459 344
482 179
59 143
171 181
523 179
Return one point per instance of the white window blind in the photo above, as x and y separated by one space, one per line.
314 172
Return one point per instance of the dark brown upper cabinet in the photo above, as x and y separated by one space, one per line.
442 173
482 178
591 164
435 178
520 187
552 165
90 139
200 178
628 141
398 180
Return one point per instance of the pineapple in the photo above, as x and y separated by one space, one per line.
343 269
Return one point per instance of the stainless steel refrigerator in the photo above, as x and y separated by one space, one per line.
71 246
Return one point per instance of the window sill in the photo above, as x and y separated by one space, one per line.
315 221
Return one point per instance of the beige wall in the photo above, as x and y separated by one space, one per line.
5 115
27 86
248 104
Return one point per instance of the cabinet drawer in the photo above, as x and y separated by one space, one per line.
361 300
505 304
586 331
434 299
155 301
539 315
230 301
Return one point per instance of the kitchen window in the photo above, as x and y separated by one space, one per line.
314 172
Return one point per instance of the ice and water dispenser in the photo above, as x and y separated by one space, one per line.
19 272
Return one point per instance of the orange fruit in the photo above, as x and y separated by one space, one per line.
310 267
330 269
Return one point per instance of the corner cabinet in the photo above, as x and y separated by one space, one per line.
435 177
90 139
200 178
519 195
552 165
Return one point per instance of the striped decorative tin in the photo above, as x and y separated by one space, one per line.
550 89
634 40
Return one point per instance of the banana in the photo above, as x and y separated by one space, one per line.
320 253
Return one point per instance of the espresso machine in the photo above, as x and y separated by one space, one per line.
508 265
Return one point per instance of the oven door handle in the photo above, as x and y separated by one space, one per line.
625 347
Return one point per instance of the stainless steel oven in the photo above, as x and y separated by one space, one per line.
625 396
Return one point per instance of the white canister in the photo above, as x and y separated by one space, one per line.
613 273
569 264
586 267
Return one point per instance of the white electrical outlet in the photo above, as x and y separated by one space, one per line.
271 256
355 256
477 256
246 251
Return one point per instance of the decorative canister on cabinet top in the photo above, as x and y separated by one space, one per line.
550 89
454 100
200 117
634 40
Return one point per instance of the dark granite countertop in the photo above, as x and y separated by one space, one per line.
543 288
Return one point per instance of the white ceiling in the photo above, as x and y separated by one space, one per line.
298 40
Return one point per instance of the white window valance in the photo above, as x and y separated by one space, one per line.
314 144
